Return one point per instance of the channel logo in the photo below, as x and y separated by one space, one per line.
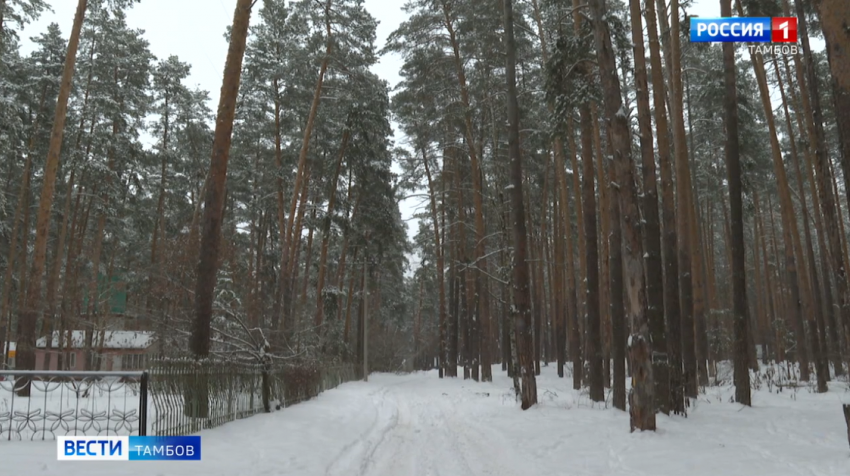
128 448
744 30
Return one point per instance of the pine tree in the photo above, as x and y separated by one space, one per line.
521 296
31 309
641 397
733 168
214 199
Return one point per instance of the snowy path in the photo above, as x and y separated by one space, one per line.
418 425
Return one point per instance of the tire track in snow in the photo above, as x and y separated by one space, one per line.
354 454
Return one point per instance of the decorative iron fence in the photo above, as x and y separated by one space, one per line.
188 395
72 403
173 397
295 384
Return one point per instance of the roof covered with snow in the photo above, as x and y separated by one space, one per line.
111 340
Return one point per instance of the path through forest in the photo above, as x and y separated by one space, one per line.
419 425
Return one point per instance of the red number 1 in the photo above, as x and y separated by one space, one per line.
783 30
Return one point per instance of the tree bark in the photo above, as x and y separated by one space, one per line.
521 308
811 265
438 249
798 282
733 171
326 232
32 307
818 142
835 16
301 181
482 302
616 306
651 227
641 396
214 199
594 334
671 261
683 206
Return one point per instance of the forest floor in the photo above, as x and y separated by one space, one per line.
419 425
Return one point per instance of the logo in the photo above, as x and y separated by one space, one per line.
128 448
744 30
783 30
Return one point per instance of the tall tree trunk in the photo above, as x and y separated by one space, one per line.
573 293
594 333
521 298
739 269
604 230
560 219
214 199
683 206
326 233
651 227
768 273
816 291
617 309
482 302
818 142
438 249
301 181
641 396
835 17
21 207
58 259
31 309
804 124
798 282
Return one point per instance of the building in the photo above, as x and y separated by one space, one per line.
112 350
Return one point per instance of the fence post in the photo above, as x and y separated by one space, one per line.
143 405
847 419
266 383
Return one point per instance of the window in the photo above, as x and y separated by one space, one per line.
95 361
133 362
71 360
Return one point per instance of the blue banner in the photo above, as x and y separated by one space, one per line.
165 448
128 448
731 30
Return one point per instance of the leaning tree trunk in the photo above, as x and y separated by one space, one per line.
521 307
641 396
214 200
301 182
811 265
818 141
798 280
31 308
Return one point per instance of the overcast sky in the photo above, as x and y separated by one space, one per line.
193 30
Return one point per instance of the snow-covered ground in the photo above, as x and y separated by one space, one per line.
418 425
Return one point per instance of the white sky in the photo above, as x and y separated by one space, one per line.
193 30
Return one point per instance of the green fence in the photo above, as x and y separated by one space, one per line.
188 395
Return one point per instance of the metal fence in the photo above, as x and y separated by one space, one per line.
173 397
71 403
